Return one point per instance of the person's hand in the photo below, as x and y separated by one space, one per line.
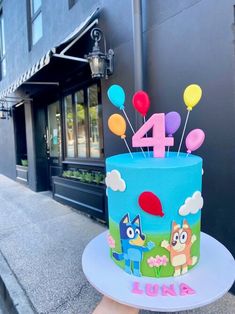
108 306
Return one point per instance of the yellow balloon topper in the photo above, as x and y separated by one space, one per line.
192 96
117 125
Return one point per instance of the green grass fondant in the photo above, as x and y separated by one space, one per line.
146 270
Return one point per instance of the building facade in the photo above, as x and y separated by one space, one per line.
58 122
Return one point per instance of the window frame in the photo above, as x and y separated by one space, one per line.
90 161
3 43
30 20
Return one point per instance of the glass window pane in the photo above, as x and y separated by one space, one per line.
36 4
81 124
95 122
69 126
37 28
54 129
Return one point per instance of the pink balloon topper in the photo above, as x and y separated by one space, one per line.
194 140
141 102
172 122
150 203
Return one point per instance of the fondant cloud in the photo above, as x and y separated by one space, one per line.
114 181
192 204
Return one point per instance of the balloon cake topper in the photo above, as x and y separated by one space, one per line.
161 126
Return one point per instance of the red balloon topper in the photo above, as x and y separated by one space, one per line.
150 203
141 102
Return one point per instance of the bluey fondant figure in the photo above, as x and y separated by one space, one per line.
132 243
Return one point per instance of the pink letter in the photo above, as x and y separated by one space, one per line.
151 290
168 290
186 290
136 288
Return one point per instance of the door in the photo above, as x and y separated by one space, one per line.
54 140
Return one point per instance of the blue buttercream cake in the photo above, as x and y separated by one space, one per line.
154 207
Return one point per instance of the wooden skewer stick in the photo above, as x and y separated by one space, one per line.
124 139
182 137
132 129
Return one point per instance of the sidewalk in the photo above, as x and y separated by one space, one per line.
41 244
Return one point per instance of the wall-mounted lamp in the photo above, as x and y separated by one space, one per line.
101 63
5 111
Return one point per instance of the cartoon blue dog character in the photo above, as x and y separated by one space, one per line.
132 243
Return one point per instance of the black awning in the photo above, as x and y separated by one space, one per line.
61 48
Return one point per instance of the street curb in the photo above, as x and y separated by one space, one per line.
11 293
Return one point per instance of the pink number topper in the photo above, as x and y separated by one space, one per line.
158 140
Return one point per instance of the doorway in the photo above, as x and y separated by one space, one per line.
54 149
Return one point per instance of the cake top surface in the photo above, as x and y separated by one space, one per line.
171 161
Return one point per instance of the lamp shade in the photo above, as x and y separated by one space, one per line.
98 66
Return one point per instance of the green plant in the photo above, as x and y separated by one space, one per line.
102 178
77 174
69 173
24 162
98 178
83 176
65 174
88 177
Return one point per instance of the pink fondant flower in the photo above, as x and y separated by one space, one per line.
164 260
111 241
151 261
158 262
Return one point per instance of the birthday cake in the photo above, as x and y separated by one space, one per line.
154 197
154 213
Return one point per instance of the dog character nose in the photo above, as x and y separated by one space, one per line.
142 236
173 243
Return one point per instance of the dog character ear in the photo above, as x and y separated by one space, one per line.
175 226
185 224
125 219
136 220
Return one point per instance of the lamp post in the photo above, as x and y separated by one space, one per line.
101 63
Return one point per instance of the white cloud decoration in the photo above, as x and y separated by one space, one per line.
114 181
192 204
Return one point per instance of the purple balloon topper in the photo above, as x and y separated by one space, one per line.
172 122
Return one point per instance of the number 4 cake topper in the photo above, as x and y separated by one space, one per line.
158 140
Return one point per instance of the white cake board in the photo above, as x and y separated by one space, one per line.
211 278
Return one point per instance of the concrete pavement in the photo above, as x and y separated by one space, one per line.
41 244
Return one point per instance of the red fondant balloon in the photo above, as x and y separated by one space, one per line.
141 102
150 203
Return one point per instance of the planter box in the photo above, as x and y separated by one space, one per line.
88 198
22 174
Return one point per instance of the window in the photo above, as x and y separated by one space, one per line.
2 47
36 30
83 123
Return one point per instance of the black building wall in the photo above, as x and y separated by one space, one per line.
7 149
193 42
